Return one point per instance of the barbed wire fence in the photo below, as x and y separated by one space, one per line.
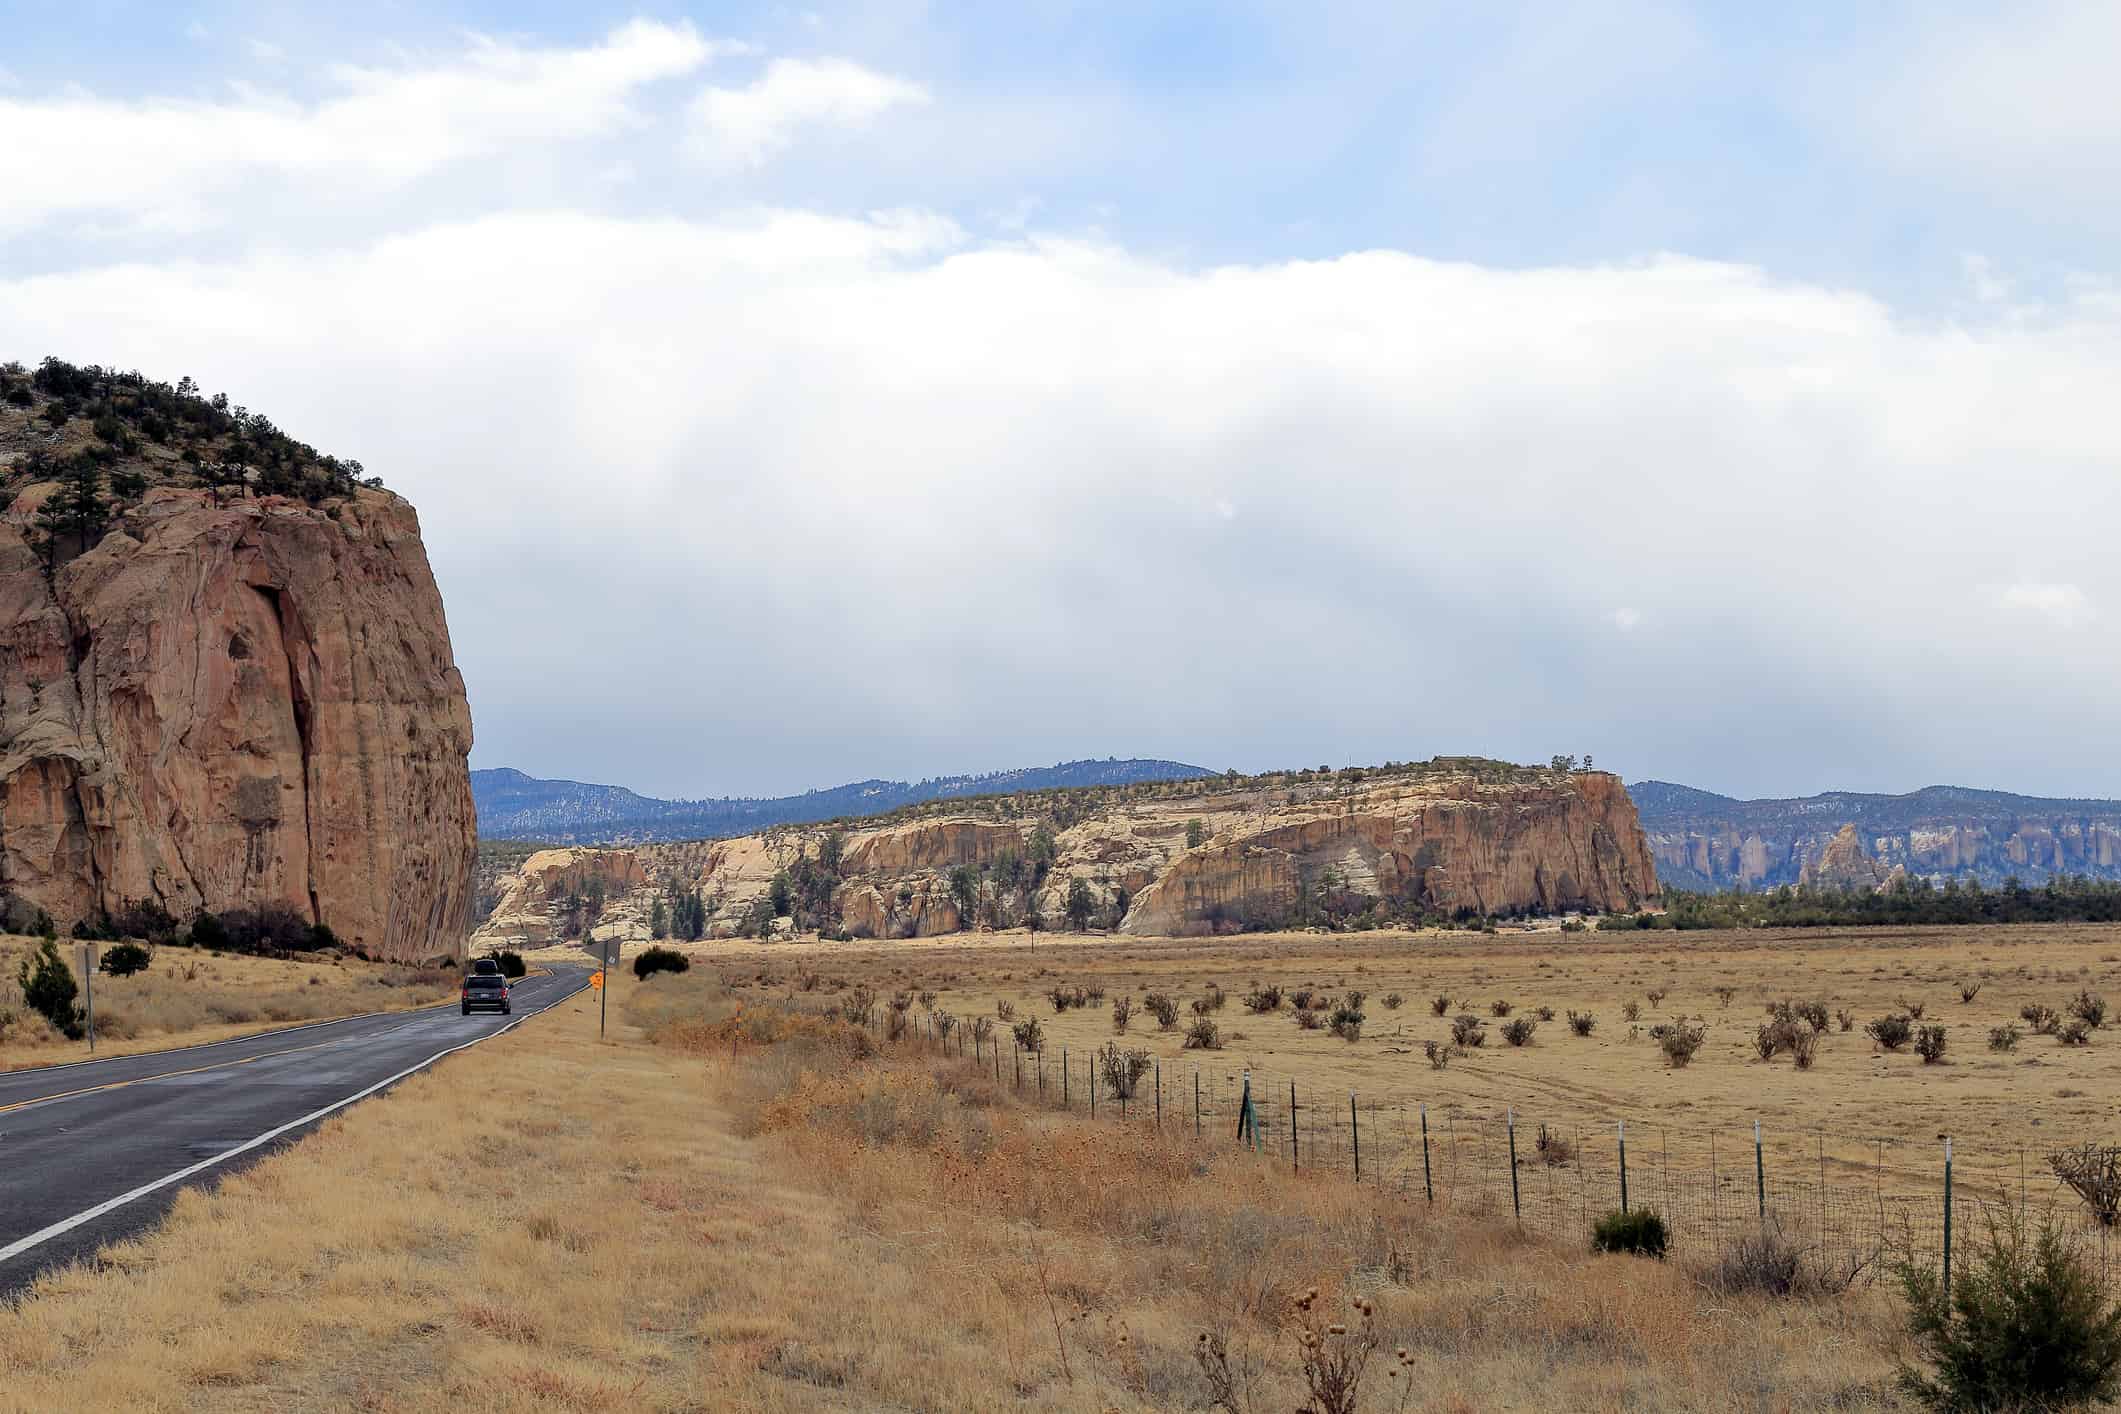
1857 1206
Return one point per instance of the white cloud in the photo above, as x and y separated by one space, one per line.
167 164
937 504
2018 97
2063 605
264 50
744 127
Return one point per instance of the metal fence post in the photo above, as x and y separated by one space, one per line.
1159 1095
1295 1160
1623 1166
1065 1102
1428 1184
1759 1171
1355 1132
1196 1102
1516 1202
1947 1223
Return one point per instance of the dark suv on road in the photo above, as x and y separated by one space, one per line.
484 986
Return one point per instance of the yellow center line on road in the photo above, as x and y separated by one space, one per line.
195 1070
164 1075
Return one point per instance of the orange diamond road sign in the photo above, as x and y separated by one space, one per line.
596 980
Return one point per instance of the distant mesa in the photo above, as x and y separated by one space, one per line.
1845 839
1394 845
515 806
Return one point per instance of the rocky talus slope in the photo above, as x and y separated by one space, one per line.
1222 854
219 698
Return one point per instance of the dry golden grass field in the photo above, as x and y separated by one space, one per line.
2027 1096
548 1222
187 996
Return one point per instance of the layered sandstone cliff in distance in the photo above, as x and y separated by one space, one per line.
1438 840
1712 842
225 676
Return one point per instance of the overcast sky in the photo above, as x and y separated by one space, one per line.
792 396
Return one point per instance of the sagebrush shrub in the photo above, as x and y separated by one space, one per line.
2041 1017
1636 1230
1438 1053
1553 1149
653 960
1203 1035
1439 1005
1030 1036
2003 1038
1392 1001
1929 1044
1892 1032
1969 990
1346 1021
2089 1008
1583 1023
2074 1032
1163 1009
1468 1030
1122 1013
1680 1042
1263 999
1499 1007
1518 1031
1631 1010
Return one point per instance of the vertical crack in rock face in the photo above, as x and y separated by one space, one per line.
196 711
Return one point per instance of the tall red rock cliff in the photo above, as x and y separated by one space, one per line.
231 701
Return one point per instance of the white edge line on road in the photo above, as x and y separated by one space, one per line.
88 1215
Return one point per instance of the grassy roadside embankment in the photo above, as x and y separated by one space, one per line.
188 996
547 1222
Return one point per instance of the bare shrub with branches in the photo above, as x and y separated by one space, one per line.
1030 1036
2041 1017
1203 1035
1969 990
1439 1054
1583 1023
2089 1007
1518 1031
1499 1007
1263 999
2093 1173
1163 1009
1334 1354
1468 1030
1122 1013
1554 1149
1122 1070
1680 1042
1440 1005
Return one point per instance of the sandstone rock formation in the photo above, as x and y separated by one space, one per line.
1451 838
1710 842
232 700
1843 864
525 913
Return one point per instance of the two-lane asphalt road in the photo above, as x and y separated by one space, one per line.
97 1151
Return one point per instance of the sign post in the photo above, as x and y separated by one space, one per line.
603 983
88 984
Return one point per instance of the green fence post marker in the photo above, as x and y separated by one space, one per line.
1516 1201
1355 1132
1428 1184
1623 1166
1759 1171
